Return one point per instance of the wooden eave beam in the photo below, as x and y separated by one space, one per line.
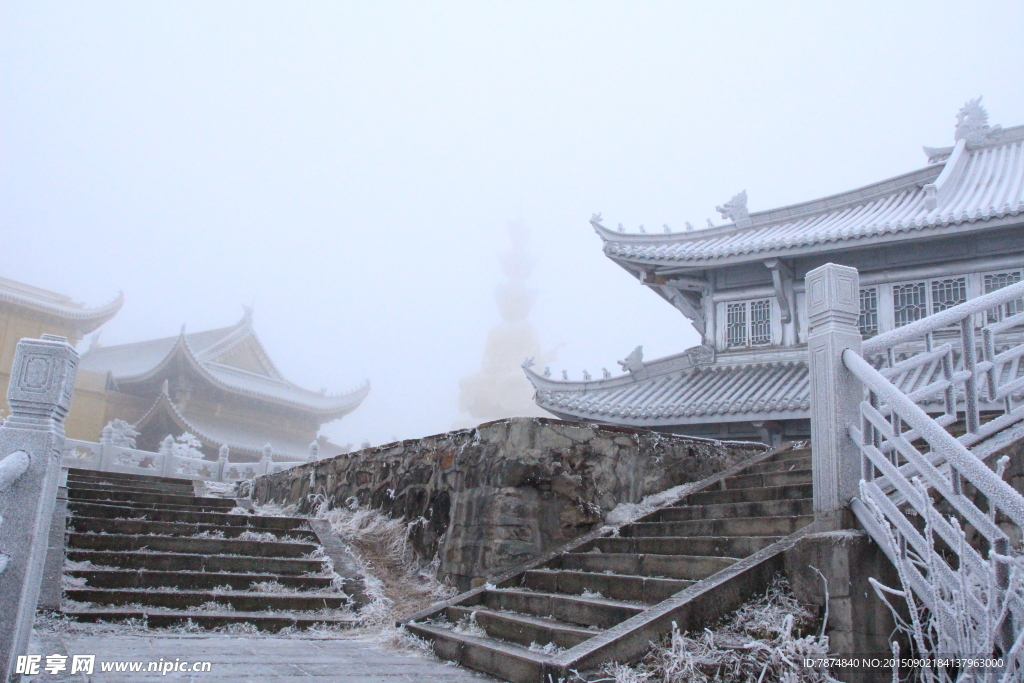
782 274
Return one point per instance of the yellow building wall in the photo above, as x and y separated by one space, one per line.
89 403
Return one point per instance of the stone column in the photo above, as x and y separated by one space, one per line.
31 443
833 309
106 449
266 460
222 461
168 466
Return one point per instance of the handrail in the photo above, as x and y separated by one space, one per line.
938 438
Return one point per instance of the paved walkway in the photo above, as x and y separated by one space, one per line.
238 659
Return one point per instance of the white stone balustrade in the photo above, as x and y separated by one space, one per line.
31 443
106 456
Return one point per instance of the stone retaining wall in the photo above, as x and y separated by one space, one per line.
489 498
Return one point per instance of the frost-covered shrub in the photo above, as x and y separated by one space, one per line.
765 641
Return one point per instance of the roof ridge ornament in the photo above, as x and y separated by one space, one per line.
972 124
634 362
736 210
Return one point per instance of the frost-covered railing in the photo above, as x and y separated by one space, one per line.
917 483
108 456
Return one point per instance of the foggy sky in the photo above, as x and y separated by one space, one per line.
350 168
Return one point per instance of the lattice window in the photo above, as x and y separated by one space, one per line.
868 322
996 281
948 293
909 303
761 322
736 325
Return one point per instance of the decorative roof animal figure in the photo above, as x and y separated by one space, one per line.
972 124
736 210
528 363
605 373
586 376
622 228
667 229
634 362
565 375
642 228
689 226
547 371
710 224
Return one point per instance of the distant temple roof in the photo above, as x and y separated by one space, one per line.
248 440
54 305
971 185
230 358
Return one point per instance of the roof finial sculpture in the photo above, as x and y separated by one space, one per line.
667 229
710 224
586 376
622 228
547 371
689 226
565 375
736 210
605 373
972 124
246 315
634 362
642 228
595 218
528 363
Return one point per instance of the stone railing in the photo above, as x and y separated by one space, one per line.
107 456
31 441
914 486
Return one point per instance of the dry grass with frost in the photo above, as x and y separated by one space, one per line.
765 641
397 582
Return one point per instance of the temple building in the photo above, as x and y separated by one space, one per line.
221 386
27 311
923 241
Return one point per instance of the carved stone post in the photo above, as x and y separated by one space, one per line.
222 461
314 451
268 453
106 449
833 308
31 443
167 464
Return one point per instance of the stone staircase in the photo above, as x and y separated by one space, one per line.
150 548
562 610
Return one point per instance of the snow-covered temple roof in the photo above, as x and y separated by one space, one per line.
976 184
700 394
229 358
59 306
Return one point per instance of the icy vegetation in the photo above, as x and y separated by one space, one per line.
764 641
397 582
970 613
